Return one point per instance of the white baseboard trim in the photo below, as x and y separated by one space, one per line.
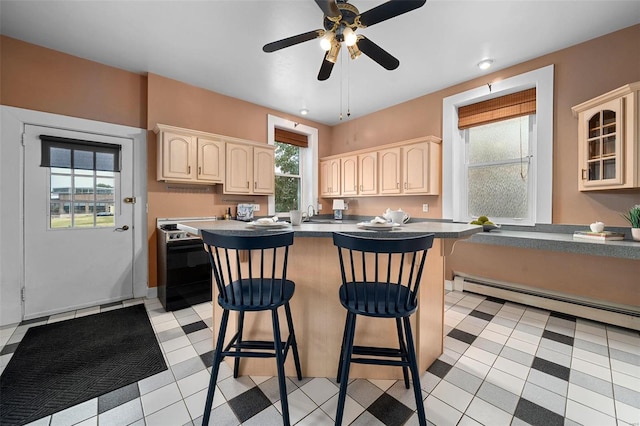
152 292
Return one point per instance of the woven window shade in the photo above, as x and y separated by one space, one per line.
497 109
292 138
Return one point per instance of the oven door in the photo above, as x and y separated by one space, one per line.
188 274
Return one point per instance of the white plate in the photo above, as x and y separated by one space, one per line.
378 226
269 225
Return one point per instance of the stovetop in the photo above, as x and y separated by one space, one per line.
169 227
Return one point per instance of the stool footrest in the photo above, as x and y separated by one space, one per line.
377 351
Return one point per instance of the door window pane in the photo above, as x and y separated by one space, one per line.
81 198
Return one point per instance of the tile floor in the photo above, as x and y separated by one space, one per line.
504 364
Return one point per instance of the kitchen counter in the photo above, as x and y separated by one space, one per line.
557 241
325 228
317 314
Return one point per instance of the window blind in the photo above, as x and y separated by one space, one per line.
497 109
292 138
69 153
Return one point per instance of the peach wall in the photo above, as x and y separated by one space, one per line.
179 104
42 79
581 72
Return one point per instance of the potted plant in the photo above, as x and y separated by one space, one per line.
633 217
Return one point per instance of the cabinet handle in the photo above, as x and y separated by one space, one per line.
255 185
247 184
199 170
188 170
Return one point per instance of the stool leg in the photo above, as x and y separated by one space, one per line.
403 349
346 363
236 361
415 375
294 343
344 338
217 358
282 382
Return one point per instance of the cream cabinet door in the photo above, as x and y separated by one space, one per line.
389 166
349 169
178 157
263 170
416 168
239 168
368 173
210 160
330 177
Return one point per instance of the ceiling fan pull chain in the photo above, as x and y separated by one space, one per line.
348 89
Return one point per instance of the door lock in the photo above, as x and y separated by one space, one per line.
130 200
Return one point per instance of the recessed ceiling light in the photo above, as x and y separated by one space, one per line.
304 111
485 64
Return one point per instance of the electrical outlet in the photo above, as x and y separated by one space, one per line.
319 207
256 207
425 208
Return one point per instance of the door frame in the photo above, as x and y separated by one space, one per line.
12 226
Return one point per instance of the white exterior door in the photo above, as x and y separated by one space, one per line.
71 265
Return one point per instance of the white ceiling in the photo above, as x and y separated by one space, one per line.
217 44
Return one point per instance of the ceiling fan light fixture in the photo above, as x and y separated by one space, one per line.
332 55
354 52
326 41
485 64
350 36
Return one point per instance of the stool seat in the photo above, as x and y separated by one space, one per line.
369 299
256 294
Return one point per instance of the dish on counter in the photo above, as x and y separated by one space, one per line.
279 224
487 228
378 226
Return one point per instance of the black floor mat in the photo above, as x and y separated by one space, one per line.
59 365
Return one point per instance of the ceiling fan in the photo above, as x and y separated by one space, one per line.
341 20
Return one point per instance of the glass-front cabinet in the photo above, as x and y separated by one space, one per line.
608 150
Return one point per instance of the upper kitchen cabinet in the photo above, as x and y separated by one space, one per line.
608 147
249 169
330 177
410 167
188 156
359 174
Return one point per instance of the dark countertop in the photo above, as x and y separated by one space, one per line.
558 241
540 237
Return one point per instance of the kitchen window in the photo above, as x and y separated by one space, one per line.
474 180
296 177
498 170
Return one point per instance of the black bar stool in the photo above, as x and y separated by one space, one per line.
261 286
380 278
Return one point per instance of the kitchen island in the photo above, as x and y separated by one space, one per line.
317 314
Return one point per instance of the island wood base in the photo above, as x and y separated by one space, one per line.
319 317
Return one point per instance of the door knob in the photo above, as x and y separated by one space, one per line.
123 228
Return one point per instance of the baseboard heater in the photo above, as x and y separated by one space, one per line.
621 315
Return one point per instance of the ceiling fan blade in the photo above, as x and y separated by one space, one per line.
377 53
329 8
291 41
325 69
388 10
